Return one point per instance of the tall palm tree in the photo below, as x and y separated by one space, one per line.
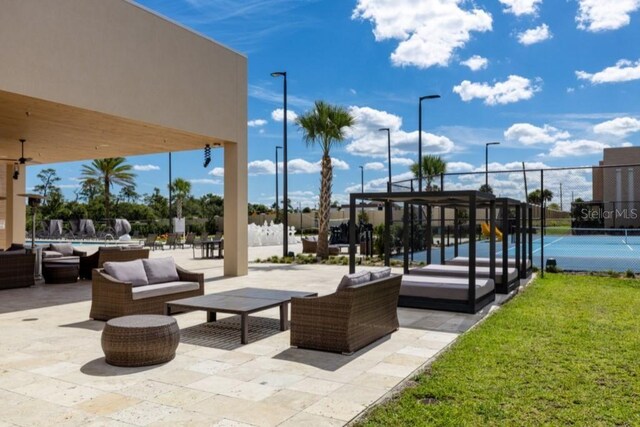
432 166
109 171
324 125
181 188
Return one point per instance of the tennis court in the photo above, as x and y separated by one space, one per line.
604 250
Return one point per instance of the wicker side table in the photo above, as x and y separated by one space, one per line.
140 340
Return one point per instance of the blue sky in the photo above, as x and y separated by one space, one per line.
554 81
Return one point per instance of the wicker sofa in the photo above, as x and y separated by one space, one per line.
109 254
349 319
60 250
114 298
16 269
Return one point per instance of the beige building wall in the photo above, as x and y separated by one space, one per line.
85 79
619 187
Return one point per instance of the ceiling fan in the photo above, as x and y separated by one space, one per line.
22 159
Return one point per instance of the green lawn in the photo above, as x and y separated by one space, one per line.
564 352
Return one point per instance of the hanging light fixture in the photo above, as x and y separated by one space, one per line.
207 155
16 171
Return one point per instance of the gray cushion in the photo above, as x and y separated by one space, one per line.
64 248
149 291
10 252
450 288
109 248
381 273
129 271
358 278
160 270
51 254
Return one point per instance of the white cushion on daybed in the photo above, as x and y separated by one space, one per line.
462 271
159 289
484 262
451 288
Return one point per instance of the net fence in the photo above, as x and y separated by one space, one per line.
584 218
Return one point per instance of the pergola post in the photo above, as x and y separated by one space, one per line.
442 235
456 232
352 233
519 230
472 253
529 232
428 232
405 237
505 242
388 220
492 241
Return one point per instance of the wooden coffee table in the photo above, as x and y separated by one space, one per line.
242 301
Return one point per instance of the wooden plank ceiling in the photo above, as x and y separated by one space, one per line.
61 133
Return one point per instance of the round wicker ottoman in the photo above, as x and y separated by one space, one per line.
140 340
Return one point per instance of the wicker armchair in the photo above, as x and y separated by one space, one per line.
102 255
348 319
112 298
16 270
310 246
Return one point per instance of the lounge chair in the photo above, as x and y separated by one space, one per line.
310 246
198 243
189 239
172 240
151 242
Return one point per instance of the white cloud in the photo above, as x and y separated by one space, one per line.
621 126
219 172
581 147
535 35
146 168
528 134
379 184
623 71
278 115
368 141
256 123
205 181
601 15
295 166
374 166
514 89
521 7
261 167
459 167
429 31
476 62
402 161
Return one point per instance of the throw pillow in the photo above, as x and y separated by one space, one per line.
64 248
16 247
381 273
350 280
130 271
160 270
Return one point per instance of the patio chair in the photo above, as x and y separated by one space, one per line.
172 240
151 242
198 243
189 239
361 311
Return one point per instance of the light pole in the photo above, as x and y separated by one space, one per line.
285 187
486 163
170 194
422 98
278 147
389 153
361 190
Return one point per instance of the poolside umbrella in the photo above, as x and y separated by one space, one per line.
89 228
55 227
82 227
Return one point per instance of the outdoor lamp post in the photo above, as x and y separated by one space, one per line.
422 98
285 187
389 153
486 163
278 147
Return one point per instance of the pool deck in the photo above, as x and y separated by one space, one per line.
52 369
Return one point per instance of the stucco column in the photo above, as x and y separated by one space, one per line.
16 207
236 219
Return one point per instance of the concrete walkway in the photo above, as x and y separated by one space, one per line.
52 369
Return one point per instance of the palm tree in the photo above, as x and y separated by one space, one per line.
109 172
181 189
325 126
432 166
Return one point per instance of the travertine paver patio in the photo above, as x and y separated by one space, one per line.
52 370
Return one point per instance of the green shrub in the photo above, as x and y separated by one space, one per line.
630 274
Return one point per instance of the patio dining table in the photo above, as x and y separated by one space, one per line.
209 248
